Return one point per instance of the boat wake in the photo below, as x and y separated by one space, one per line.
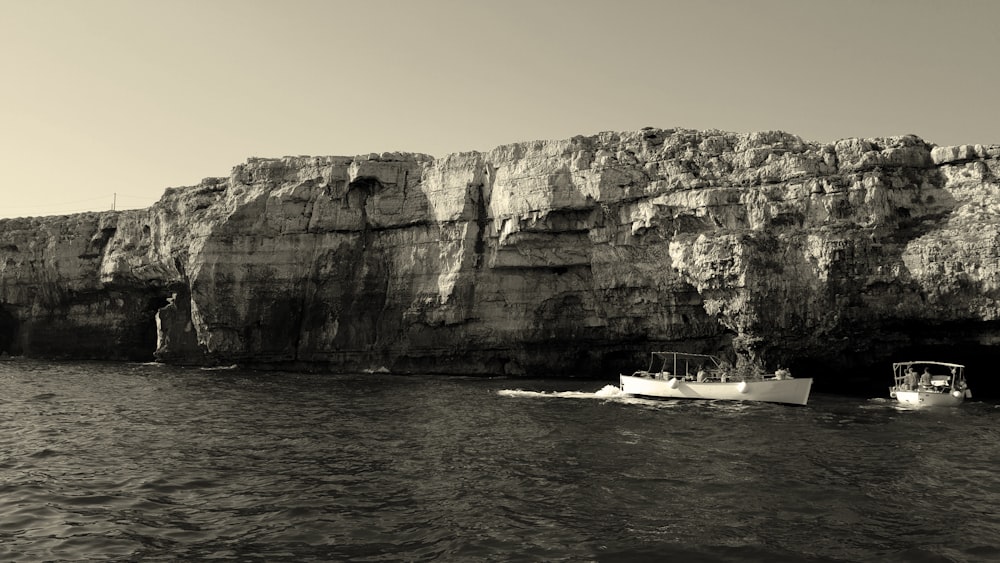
611 393
605 393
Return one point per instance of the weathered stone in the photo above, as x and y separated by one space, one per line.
568 257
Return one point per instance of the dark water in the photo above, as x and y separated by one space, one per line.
151 463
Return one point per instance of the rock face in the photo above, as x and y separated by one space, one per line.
573 257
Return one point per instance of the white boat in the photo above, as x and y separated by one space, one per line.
679 375
929 384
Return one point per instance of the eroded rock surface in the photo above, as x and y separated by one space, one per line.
563 257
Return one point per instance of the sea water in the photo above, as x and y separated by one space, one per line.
144 462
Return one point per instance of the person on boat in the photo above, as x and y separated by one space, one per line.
782 373
910 379
701 375
925 378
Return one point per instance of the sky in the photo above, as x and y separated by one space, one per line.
109 102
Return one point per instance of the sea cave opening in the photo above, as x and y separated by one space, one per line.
8 333
143 347
980 360
868 373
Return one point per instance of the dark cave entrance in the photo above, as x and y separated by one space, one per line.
980 361
139 343
150 330
868 371
9 328
173 337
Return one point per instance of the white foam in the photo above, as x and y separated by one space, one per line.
610 391
606 392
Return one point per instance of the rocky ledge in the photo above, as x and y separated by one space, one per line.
572 257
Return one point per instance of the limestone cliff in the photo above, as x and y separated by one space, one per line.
571 257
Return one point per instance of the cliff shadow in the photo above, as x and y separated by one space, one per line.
867 301
9 333
926 210
112 324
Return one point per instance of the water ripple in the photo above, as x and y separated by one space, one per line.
144 462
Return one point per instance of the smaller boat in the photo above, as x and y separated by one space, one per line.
929 384
679 375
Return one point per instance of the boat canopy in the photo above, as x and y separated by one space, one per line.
680 362
927 362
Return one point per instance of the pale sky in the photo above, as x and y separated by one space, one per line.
129 97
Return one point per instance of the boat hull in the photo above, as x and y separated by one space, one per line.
789 391
924 399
